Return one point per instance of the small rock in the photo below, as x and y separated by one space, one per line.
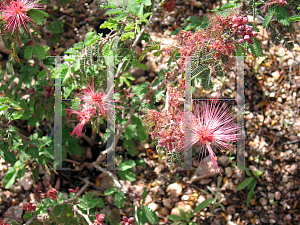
26 182
201 199
228 171
224 160
185 198
277 195
288 216
272 221
231 209
205 181
153 206
263 201
180 205
148 199
175 189
17 188
285 178
167 203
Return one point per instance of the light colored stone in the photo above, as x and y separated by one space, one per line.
223 160
228 171
263 201
277 195
180 205
153 206
285 178
26 182
175 189
167 203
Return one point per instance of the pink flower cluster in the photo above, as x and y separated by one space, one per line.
281 2
52 193
212 125
92 102
127 221
14 13
215 36
28 207
244 31
99 219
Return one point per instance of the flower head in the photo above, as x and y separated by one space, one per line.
101 100
99 219
84 114
52 193
212 125
14 13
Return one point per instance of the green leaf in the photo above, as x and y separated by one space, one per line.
39 51
294 18
130 132
56 27
9 178
28 52
33 121
110 191
282 16
127 175
3 107
151 216
127 35
8 156
269 16
203 205
96 202
127 165
33 152
175 218
58 209
229 5
129 145
182 213
244 184
113 11
256 48
119 199
250 194
38 16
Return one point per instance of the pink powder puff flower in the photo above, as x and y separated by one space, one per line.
84 114
101 100
14 13
213 125
99 219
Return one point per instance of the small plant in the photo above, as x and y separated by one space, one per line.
216 201
250 182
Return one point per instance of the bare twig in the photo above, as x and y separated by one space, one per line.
86 217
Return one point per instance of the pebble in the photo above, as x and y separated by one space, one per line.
168 203
263 201
223 160
277 195
26 182
228 171
285 178
153 206
175 189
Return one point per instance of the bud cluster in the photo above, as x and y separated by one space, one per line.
239 25
281 2
52 193
28 207
127 221
99 219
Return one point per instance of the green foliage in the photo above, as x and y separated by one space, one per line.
38 16
250 182
56 27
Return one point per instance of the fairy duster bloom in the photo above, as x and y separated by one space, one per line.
14 13
84 114
100 99
212 125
